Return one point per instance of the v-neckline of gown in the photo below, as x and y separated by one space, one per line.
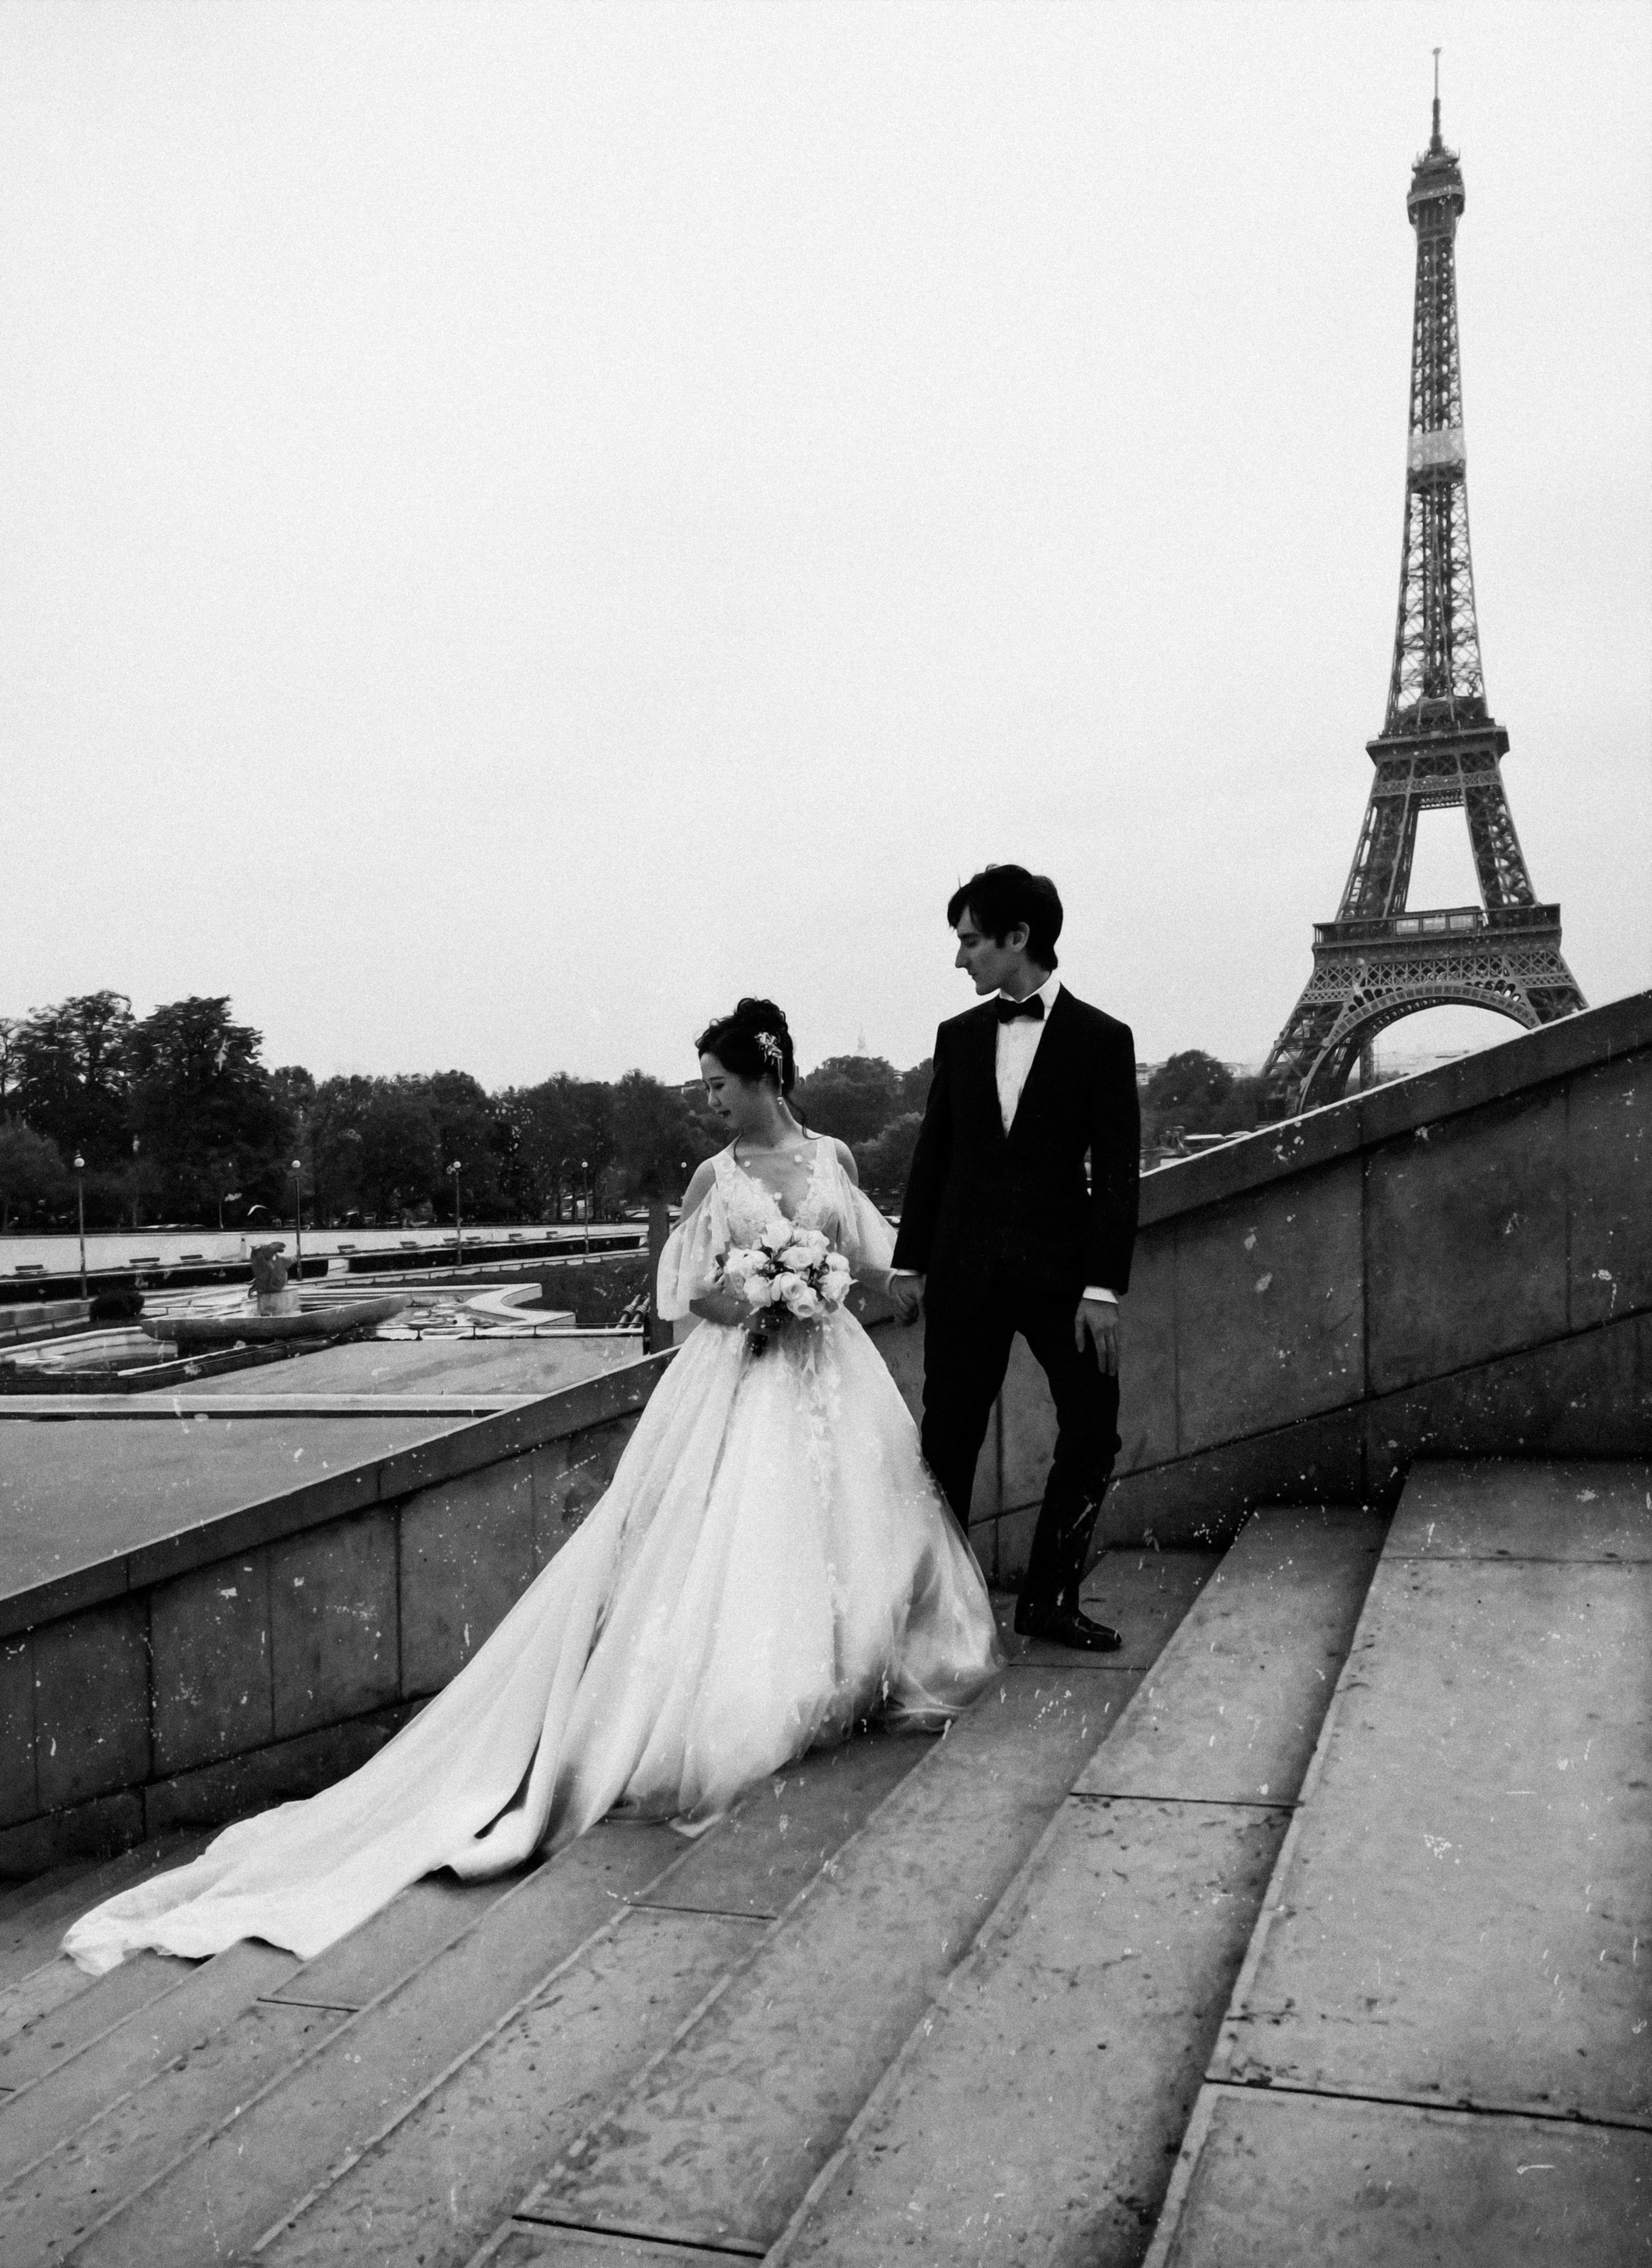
792 1219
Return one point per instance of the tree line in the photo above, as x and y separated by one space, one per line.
174 1117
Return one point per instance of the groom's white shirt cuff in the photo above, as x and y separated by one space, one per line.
1091 1291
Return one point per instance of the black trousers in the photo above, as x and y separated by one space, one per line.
965 1359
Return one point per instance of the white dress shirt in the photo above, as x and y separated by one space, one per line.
1017 1044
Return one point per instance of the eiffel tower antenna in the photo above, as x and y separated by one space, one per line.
1439 747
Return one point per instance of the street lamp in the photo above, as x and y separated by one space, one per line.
225 1197
585 1172
458 1218
297 1217
80 1209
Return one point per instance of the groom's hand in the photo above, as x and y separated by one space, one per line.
906 1294
1099 1318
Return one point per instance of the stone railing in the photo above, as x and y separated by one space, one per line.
1459 1264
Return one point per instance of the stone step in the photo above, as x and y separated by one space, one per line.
438 2178
1440 2045
254 2098
66 2098
1034 2112
174 2170
437 2175
105 2035
262 2113
116 2108
34 1915
721 2133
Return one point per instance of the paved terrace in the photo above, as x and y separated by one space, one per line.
89 1481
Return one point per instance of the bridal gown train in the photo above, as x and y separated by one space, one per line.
771 1563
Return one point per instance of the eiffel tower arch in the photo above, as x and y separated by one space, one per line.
1380 960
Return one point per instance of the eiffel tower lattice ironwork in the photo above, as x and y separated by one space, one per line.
1379 960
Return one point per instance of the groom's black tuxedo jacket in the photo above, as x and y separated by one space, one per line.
980 1202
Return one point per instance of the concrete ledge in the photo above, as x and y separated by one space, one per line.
1460 1263
593 1403
1555 1051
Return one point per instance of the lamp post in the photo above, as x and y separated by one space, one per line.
80 1210
225 1197
458 1218
297 1217
584 1169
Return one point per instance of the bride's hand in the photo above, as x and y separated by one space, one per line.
720 1307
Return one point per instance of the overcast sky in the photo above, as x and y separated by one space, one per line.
524 522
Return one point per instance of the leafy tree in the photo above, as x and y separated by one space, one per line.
1194 1094
658 1138
885 1162
398 1148
32 1171
296 1088
202 1106
70 1076
555 1126
332 1143
915 1085
468 1129
851 1096
1190 1081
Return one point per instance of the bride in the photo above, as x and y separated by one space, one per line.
770 1565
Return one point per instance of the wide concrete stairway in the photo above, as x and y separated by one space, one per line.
948 2000
1440 2046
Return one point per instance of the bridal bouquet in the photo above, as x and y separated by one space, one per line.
787 1272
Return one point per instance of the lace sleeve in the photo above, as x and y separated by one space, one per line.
689 1265
867 1239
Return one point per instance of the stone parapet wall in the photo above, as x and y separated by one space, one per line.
1459 1264
256 1656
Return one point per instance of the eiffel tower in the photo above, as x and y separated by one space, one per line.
1379 960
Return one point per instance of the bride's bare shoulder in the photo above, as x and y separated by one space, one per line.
845 1159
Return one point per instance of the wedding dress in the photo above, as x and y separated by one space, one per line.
770 1565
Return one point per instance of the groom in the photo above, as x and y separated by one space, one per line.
1003 1230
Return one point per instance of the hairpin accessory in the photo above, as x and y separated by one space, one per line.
771 1048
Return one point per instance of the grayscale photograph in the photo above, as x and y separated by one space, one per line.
825 1133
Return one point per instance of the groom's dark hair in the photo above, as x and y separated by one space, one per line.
1002 898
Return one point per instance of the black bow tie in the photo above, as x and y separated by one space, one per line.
1032 1008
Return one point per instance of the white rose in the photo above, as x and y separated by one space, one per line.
786 1283
802 1302
738 1263
798 1257
759 1291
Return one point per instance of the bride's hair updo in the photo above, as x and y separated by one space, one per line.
754 1042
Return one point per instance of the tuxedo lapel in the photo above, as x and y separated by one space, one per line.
977 1068
1043 1078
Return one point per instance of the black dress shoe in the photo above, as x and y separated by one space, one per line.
1061 1624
